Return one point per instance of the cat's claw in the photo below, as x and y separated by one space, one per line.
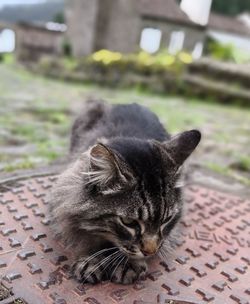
88 272
131 272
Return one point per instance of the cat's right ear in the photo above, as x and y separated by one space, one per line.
107 170
181 146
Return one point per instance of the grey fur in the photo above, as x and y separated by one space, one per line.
120 198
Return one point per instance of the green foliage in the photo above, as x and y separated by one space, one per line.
243 164
59 18
67 48
142 62
226 52
7 58
48 151
23 165
231 7
47 64
221 52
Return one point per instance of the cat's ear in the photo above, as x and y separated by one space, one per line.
180 147
107 170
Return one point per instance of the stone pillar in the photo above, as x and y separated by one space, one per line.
102 24
81 19
123 29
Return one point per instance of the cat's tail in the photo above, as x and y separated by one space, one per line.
93 111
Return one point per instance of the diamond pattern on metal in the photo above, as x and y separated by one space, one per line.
210 265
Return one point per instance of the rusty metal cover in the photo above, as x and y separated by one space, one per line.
211 263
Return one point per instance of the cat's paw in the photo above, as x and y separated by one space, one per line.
129 273
87 271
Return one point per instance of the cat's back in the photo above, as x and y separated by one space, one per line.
100 119
134 120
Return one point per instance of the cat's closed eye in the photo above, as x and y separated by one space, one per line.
129 222
167 221
132 225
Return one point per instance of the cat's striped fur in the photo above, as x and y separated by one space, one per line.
118 202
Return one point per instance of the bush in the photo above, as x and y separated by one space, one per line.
220 51
67 48
7 58
142 62
48 64
160 72
59 18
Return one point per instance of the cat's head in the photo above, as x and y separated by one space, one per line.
126 191
132 192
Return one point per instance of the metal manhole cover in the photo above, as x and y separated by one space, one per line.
211 263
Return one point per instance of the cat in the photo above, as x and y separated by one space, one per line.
118 202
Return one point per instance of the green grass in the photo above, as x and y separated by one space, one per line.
242 163
23 165
49 150
223 170
8 59
48 114
27 131
218 168
38 112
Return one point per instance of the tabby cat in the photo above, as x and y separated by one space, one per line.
118 202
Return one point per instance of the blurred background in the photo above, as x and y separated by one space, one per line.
188 61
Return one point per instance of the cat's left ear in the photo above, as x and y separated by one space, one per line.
180 147
107 170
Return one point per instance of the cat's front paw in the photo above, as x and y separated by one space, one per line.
129 273
88 271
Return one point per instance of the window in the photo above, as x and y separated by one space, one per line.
150 40
7 41
176 42
198 50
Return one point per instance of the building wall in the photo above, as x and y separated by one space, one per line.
81 19
193 35
116 25
33 42
123 28
99 24
102 25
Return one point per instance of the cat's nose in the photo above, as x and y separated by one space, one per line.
149 247
148 253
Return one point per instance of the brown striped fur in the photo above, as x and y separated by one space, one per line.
119 200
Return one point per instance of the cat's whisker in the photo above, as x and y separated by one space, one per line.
166 251
96 254
161 254
118 264
116 258
125 264
102 262
168 248
113 260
